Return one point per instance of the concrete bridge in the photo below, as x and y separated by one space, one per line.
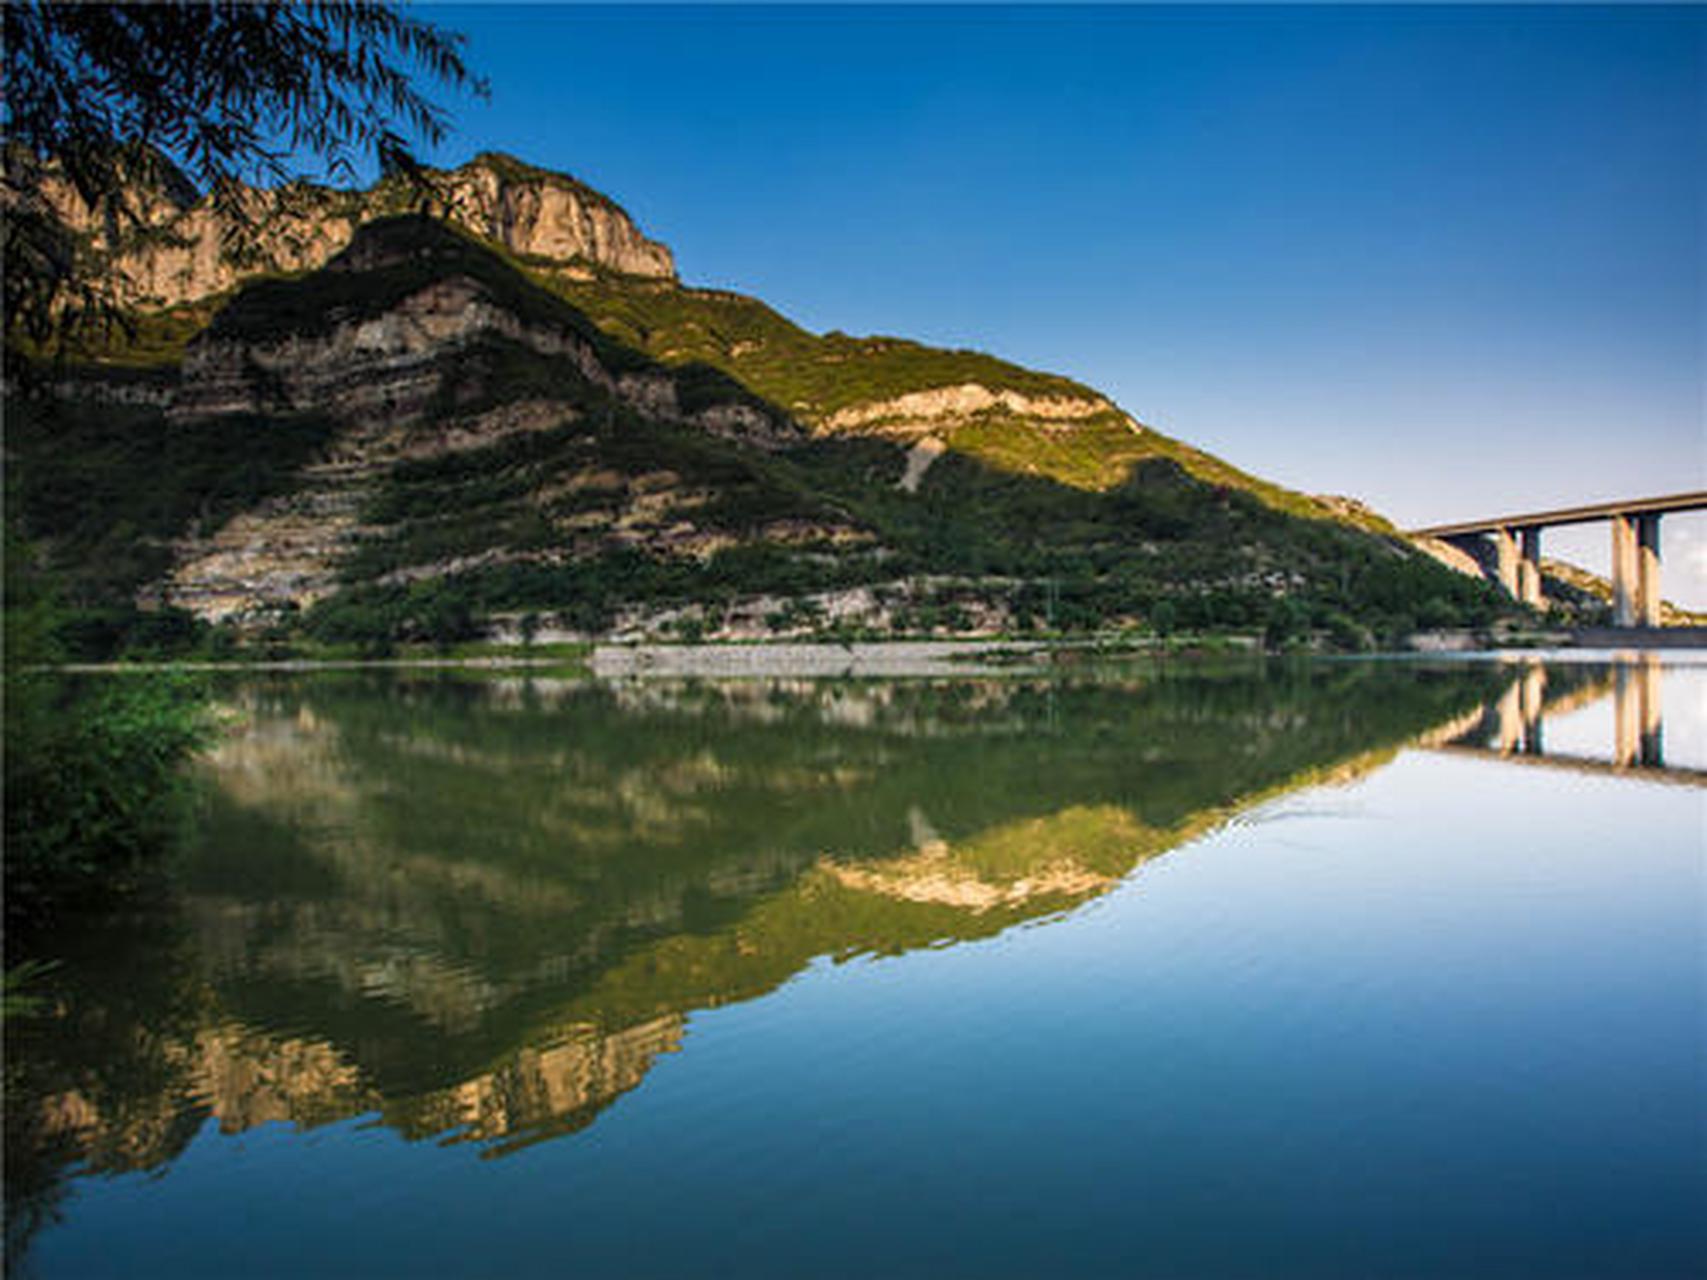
1635 549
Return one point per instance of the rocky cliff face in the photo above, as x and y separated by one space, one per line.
380 352
395 341
535 213
389 364
286 551
189 251
922 412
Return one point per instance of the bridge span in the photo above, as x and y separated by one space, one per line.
1635 549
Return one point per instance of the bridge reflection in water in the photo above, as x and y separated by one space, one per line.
1513 725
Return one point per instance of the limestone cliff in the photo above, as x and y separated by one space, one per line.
415 342
389 364
187 250
375 337
918 413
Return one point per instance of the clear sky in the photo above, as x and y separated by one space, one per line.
1448 260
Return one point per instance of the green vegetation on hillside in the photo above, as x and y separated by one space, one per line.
1075 525
105 487
811 376
815 376
144 341
1162 549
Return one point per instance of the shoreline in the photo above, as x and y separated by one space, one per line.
973 656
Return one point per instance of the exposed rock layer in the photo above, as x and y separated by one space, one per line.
917 412
391 366
188 252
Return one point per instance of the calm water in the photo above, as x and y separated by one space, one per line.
1341 969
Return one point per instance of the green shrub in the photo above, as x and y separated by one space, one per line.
1288 621
91 765
1346 635
91 777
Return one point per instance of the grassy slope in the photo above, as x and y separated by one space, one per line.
810 376
814 376
140 343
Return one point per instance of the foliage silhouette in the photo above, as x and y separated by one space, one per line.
130 104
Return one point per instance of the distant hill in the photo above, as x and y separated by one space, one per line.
426 427
1589 596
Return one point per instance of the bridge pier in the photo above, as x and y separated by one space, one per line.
1636 571
1623 572
1529 568
1515 565
1648 571
1505 560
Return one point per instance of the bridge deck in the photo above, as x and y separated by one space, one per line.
1696 501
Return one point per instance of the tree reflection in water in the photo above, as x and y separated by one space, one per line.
478 910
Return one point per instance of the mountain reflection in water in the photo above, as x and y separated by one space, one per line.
478 911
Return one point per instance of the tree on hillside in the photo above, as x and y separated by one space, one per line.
114 100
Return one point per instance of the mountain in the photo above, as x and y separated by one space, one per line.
373 421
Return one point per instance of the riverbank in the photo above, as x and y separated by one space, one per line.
967 655
1639 638
874 658
959 655
971 656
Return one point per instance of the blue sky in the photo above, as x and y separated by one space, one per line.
1448 260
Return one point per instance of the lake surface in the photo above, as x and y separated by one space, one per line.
1307 969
